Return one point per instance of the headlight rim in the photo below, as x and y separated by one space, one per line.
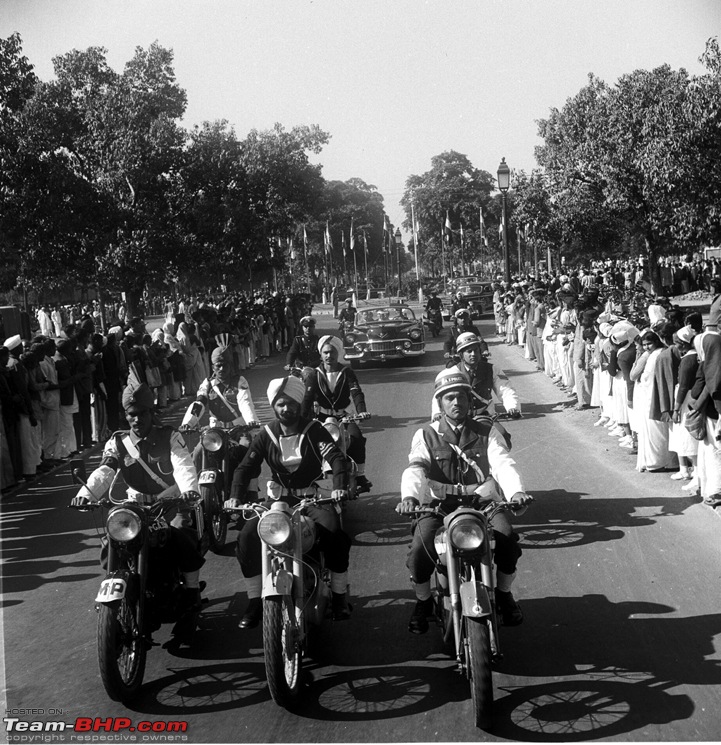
461 523
112 530
271 537
215 437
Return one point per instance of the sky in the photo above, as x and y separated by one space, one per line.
394 82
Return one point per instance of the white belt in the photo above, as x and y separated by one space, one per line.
332 412
461 489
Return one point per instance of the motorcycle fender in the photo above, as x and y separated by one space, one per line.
278 583
112 588
475 600
207 477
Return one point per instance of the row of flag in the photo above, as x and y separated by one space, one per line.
448 230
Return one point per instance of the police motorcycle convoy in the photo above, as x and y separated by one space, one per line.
145 586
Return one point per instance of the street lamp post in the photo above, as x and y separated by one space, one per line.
504 182
399 243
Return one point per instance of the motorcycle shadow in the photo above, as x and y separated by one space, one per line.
382 692
205 689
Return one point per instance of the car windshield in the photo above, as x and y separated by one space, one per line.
383 315
474 289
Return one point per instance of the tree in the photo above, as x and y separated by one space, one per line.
453 187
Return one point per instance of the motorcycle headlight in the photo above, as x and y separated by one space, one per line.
466 534
274 528
439 542
334 430
212 440
416 334
123 525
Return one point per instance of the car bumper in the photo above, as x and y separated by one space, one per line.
387 354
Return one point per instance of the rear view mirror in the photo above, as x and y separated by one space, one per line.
77 471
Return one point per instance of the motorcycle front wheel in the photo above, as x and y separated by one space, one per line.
479 671
281 646
121 649
216 521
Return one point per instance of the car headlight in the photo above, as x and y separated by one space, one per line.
123 525
406 344
349 340
416 334
466 534
274 528
212 440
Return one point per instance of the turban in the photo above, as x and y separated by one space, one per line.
605 329
335 342
139 396
623 332
157 335
291 386
224 354
116 331
12 342
686 334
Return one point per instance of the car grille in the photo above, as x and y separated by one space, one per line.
382 346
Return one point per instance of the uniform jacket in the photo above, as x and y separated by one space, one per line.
347 388
227 405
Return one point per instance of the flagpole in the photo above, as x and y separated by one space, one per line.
443 258
305 252
355 270
365 256
518 241
415 251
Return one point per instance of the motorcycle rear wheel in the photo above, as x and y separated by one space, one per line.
121 649
216 521
281 647
479 671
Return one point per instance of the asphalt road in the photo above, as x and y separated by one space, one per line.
619 585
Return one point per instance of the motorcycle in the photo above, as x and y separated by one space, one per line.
464 594
296 589
215 478
142 587
435 320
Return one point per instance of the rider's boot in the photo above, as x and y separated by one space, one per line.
508 609
418 623
340 607
254 610
189 606
361 481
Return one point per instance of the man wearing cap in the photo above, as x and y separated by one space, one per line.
462 324
346 318
333 386
458 455
295 449
154 461
484 380
304 348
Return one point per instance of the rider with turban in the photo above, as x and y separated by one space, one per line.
295 449
331 388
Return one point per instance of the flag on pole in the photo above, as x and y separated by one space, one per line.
501 225
462 234
305 239
352 236
327 239
292 248
386 233
342 242
449 229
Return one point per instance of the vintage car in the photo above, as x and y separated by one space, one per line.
384 333
477 296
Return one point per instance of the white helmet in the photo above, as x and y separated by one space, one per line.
449 379
467 339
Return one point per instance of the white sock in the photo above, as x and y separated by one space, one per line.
192 579
254 586
339 582
422 590
504 581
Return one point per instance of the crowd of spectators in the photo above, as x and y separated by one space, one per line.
652 370
61 386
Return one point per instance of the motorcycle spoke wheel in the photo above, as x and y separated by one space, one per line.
479 671
216 521
121 650
282 648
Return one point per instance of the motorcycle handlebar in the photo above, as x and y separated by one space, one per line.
489 508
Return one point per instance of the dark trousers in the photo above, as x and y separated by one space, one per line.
422 556
335 545
82 423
